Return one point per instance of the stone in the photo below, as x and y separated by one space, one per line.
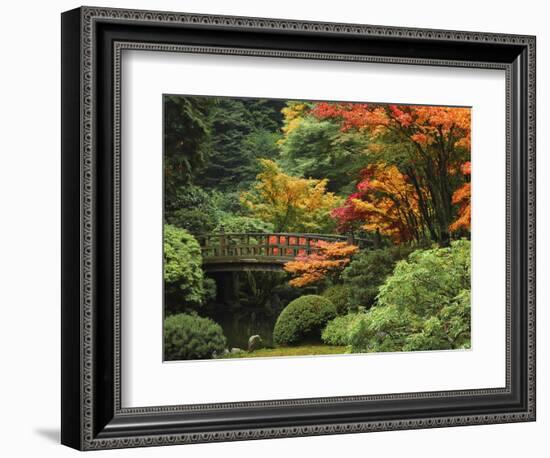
254 342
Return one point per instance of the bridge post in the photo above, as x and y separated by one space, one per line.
287 243
267 237
223 243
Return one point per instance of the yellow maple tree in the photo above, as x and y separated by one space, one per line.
291 204
293 116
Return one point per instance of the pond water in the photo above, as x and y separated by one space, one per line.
248 303
239 325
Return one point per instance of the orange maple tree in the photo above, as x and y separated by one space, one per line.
385 202
463 198
432 142
329 259
423 125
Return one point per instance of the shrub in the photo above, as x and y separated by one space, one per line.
231 223
428 278
337 331
302 320
423 305
382 328
189 336
227 202
183 275
191 208
194 220
340 296
210 289
367 272
450 328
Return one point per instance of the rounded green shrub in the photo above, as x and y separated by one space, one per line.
337 331
302 320
189 336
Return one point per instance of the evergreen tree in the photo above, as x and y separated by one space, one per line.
243 130
186 132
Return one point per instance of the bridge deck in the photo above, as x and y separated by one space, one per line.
261 251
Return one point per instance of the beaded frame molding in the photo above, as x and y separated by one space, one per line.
92 43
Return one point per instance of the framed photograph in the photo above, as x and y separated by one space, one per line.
276 228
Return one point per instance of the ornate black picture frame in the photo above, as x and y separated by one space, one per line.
92 41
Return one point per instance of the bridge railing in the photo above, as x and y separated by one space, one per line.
281 245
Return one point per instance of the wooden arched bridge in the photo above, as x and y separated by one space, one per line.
229 252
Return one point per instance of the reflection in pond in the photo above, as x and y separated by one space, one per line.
248 303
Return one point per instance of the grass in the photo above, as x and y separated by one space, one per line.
303 350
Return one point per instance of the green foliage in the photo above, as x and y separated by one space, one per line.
183 275
423 305
337 331
210 289
340 296
261 143
319 149
242 131
366 272
227 202
190 207
450 328
186 133
429 278
189 336
239 224
302 320
382 328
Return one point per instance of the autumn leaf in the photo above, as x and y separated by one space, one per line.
384 202
463 198
427 145
329 259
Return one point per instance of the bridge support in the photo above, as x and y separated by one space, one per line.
228 287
